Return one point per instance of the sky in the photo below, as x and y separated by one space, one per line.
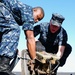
65 8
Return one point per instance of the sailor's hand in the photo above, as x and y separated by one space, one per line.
31 65
54 58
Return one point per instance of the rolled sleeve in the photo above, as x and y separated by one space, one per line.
27 26
63 39
63 42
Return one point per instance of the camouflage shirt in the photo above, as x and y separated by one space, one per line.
12 14
22 13
47 38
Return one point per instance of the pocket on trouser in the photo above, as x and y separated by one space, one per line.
5 15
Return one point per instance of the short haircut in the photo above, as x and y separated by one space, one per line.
42 11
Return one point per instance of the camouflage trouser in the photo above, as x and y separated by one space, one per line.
9 33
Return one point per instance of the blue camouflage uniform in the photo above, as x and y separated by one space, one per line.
51 41
47 38
12 15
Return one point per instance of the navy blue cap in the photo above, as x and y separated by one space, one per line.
57 19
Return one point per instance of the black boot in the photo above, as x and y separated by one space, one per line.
0 59
6 73
4 65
